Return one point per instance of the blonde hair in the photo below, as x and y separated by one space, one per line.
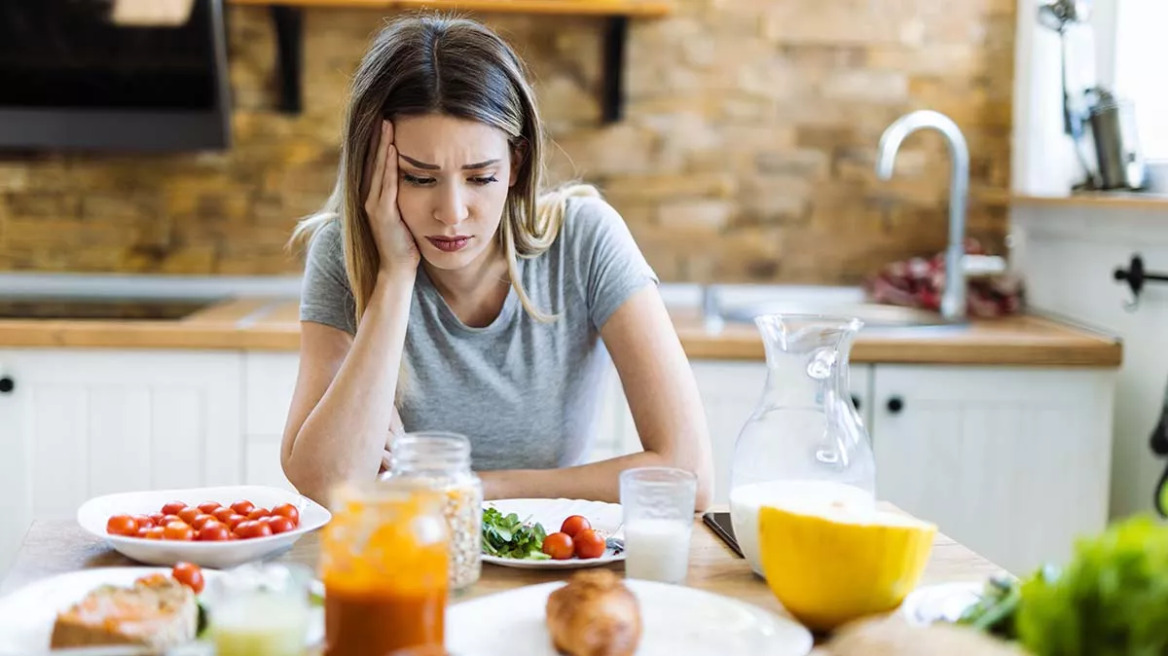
432 64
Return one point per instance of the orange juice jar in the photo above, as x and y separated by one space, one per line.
384 561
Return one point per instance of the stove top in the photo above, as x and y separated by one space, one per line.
12 307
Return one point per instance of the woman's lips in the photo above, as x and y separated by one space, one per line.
449 244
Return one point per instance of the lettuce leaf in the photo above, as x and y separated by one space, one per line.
508 537
1110 600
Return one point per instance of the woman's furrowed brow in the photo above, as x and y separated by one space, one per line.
434 167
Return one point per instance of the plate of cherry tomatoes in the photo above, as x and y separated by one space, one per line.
213 527
574 533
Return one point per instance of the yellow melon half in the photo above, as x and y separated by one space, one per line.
830 564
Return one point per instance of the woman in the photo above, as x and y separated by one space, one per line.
440 293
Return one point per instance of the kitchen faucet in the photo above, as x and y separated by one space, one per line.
953 305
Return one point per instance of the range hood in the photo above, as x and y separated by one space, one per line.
74 78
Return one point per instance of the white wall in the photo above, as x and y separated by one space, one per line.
1067 256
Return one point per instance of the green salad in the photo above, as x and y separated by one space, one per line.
505 536
1111 599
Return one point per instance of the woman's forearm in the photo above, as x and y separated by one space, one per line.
598 480
344 435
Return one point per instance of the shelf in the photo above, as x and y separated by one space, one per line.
1102 199
289 21
628 8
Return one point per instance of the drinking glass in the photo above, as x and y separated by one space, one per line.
658 505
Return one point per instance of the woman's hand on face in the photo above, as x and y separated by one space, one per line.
395 244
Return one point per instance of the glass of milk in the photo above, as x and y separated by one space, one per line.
658 504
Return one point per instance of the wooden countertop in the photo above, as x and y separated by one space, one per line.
272 324
59 546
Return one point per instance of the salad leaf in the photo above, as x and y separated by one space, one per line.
1110 599
508 537
995 611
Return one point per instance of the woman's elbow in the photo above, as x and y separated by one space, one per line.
306 481
702 468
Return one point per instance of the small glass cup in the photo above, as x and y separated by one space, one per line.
658 504
259 610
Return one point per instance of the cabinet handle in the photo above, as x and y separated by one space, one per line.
895 405
7 384
856 401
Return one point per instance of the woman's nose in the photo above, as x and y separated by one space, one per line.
451 208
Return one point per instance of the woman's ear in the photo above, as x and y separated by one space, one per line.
518 157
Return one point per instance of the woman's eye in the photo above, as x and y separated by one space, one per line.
484 179
415 180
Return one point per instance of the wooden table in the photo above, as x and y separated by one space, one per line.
59 546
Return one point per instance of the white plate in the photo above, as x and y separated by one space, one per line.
27 615
676 620
942 602
605 518
94 513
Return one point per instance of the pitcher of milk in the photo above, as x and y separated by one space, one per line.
804 438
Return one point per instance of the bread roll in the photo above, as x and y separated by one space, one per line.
594 615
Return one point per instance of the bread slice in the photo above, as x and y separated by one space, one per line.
157 612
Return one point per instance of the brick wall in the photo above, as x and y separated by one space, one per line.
746 154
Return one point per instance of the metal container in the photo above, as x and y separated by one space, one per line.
1113 126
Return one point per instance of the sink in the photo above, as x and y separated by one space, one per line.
874 315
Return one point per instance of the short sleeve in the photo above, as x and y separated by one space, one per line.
325 296
607 261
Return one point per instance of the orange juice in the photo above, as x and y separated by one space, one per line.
384 561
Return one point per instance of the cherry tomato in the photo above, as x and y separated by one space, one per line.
252 529
288 510
166 519
173 508
122 525
243 507
142 531
209 507
201 521
213 531
223 514
235 520
155 533
188 515
178 531
156 518
280 524
189 575
558 546
574 525
144 521
259 513
589 544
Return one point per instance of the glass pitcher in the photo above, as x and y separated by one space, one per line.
804 438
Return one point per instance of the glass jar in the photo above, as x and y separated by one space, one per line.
441 461
804 439
384 562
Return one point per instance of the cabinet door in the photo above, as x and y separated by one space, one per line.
1014 463
269 382
730 390
81 423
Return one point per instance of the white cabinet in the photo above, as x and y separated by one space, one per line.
268 383
1012 462
79 423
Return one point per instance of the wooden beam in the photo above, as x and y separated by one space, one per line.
640 8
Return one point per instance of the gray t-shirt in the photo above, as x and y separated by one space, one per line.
527 394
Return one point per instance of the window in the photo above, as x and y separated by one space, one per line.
1141 58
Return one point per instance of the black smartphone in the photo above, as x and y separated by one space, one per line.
720 524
